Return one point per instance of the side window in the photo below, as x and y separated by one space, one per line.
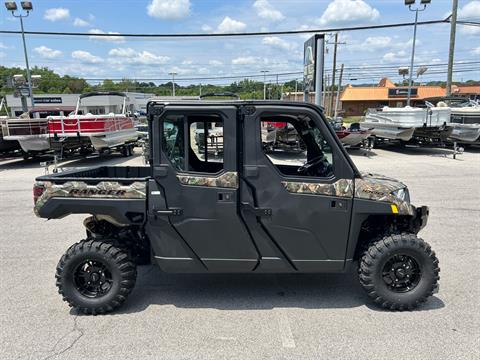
296 146
203 150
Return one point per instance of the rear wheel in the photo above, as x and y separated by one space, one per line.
399 272
96 277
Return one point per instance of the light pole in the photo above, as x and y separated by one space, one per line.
173 82
409 3
264 83
27 6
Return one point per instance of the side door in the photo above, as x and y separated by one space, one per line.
195 223
300 186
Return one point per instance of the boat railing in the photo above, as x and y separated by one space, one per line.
75 125
24 127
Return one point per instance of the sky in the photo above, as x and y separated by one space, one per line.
368 54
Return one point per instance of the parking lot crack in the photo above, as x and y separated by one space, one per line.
67 341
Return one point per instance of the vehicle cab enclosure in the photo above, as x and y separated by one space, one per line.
278 197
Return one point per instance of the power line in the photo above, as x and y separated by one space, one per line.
210 35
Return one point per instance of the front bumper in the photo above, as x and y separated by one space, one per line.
419 221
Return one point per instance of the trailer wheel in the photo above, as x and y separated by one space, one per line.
399 272
95 277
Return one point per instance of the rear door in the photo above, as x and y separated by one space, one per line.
303 213
195 224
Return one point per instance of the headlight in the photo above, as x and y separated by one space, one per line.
402 194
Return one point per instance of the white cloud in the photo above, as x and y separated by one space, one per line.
2 45
130 56
470 12
86 57
169 9
277 42
245 60
266 11
80 22
396 57
229 25
476 51
47 53
117 39
206 28
215 63
187 62
56 14
345 12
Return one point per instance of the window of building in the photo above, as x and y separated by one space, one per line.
296 146
201 149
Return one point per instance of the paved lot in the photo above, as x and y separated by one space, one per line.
263 316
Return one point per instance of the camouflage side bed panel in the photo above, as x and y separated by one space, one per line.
340 188
80 189
225 180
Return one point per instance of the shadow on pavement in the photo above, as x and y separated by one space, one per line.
249 291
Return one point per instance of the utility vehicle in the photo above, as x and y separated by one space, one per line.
243 210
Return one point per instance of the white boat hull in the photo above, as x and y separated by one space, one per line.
32 143
388 131
113 139
466 133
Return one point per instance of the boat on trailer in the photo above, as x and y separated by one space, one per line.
352 137
30 129
431 123
102 131
6 145
465 120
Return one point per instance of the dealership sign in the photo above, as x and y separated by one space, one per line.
402 92
311 63
47 100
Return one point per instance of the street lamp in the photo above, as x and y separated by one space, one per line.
264 83
173 82
26 6
409 3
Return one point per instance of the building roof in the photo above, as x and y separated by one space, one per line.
380 92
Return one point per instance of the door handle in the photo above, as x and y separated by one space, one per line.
260 212
169 212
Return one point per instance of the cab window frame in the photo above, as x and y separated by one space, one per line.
185 115
313 117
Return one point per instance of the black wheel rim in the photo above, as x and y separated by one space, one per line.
401 273
93 278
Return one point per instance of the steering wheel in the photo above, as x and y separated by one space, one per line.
318 166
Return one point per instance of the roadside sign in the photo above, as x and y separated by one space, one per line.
312 64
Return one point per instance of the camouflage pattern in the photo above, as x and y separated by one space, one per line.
226 180
340 188
370 186
79 189
380 188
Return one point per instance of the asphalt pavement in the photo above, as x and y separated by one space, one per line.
246 316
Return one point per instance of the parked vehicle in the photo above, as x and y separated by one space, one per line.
466 122
6 145
102 131
244 212
429 124
31 129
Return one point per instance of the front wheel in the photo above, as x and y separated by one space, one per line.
399 272
96 277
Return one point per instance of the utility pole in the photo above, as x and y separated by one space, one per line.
296 88
173 82
337 100
333 73
200 89
453 29
264 83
